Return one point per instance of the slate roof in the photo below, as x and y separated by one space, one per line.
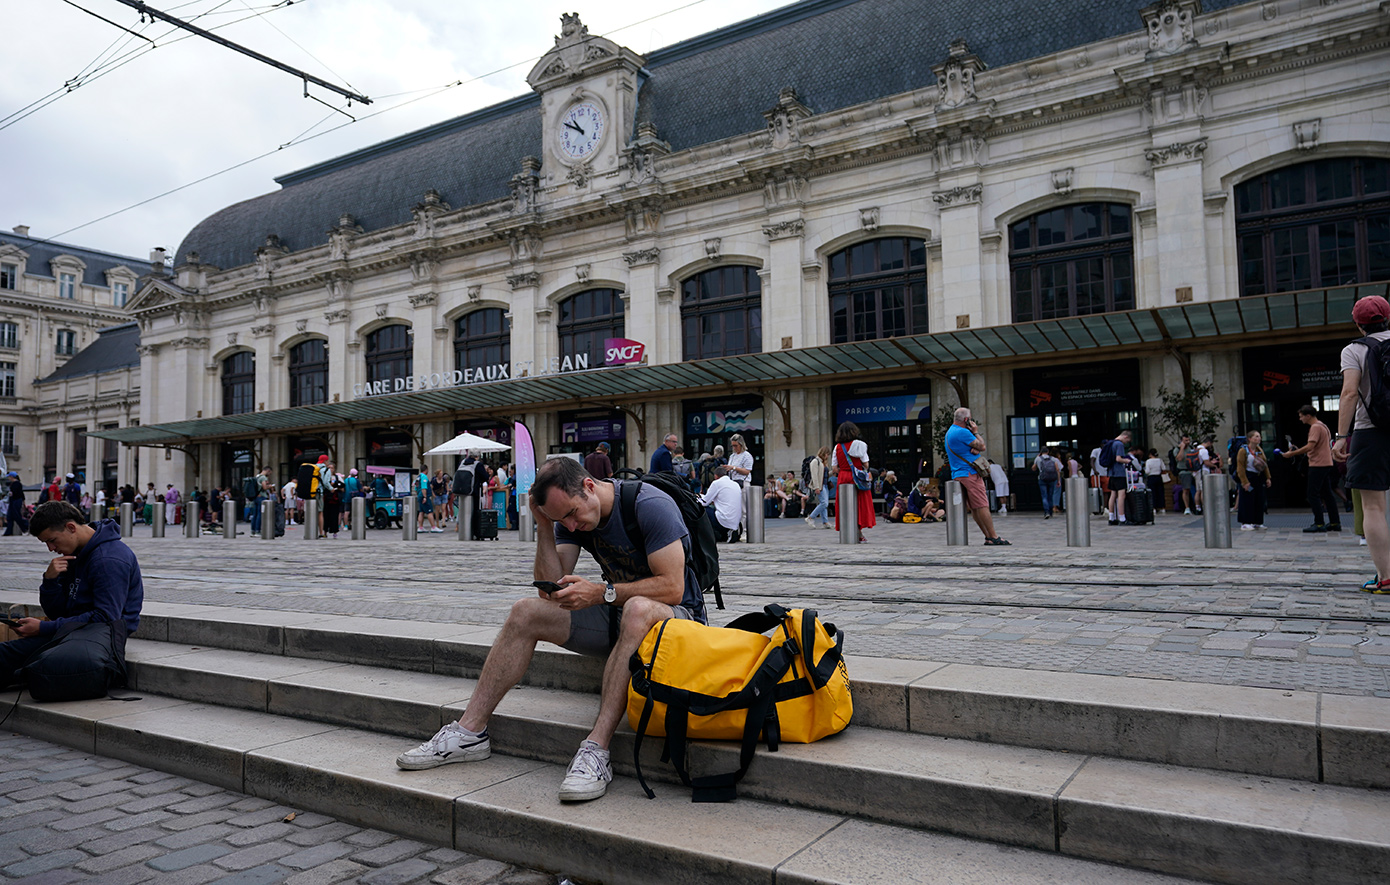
116 347
835 53
41 252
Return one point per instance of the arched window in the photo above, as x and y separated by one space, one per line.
878 289
1320 223
722 313
390 355
1071 261
482 339
239 383
309 372
586 319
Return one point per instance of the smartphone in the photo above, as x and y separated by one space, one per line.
548 587
8 622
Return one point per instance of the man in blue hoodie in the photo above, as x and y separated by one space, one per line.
92 595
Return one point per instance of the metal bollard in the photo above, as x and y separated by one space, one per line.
753 519
267 519
229 512
192 520
1216 510
1078 525
525 522
359 519
956 535
98 513
157 519
311 519
465 514
847 511
127 520
408 517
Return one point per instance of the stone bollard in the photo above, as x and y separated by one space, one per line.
955 515
1078 521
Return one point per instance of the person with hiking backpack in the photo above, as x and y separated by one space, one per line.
1049 471
640 535
1365 415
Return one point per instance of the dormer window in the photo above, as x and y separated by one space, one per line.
67 286
119 291
9 276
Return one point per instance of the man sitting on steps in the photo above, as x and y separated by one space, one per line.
574 511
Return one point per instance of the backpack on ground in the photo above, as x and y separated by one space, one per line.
806 473
704 547
691 681
1048 470
1377 373
1106 458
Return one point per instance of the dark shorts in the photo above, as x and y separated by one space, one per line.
974 488
590 629
1368 468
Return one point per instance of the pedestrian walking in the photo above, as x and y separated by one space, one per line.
1321 473
1049 471
1252 471
1368 467
820 487
850 452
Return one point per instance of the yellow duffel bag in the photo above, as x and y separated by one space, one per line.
692 681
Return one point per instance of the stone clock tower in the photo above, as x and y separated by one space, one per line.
588 88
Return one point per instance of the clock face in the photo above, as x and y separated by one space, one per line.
581 129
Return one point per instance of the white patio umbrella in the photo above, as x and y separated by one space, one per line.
468 442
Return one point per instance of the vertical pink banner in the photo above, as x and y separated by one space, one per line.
525 458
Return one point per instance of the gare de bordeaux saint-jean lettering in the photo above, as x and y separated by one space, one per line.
617 351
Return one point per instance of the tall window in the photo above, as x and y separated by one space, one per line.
119 291
390 355
309 373
483 338
586 319
110 453
1320 223
66 343
878 289
239 384
7 376
1072 261
67 286
9 335
50 454
722 313
7 439
9 276
79 451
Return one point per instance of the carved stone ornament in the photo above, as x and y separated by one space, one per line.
955 77
713 246
958 196
341 235
423 299
580 174
267 255
526 186
785 190
643 219
1176 153
572 30
1169 24
149 349
337 316
868 219
231 338
642 256
1305 134
339 288
1061 180
263 331
641 155
960 150
529 279
300 326
582 272
427 212
189 343
423 268
784 118
526 247
382 310
784 229
475 292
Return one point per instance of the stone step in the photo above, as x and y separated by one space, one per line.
1317 737
1263 830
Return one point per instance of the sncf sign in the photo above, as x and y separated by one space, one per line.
620 351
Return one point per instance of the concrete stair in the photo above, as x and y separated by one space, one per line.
1058 774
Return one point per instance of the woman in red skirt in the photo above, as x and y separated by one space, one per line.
849 448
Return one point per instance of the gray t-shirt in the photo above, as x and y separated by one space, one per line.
1354 357
661 523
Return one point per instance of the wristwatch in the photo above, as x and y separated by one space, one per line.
610 595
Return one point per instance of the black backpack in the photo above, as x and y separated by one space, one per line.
1106 458
1377 373
806 473
463 480
250 488
704 549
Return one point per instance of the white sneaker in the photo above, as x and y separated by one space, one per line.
810 523
452 743
1247 527
1360 540
588 776
1261 528
1187 511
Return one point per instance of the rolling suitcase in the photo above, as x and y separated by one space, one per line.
1139 507
487 525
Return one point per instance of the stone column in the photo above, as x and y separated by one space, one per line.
641 322
531 332
1181 243
962 285
784 314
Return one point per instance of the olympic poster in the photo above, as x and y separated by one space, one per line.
525 453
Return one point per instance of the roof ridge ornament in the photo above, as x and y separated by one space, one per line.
572 30
1170 27
784 118
955 77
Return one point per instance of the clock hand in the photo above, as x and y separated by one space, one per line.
570 124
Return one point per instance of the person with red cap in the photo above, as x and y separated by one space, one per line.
1368 467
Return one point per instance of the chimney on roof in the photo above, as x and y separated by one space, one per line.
22 229
157 256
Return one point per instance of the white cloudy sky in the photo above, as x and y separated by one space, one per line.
190 108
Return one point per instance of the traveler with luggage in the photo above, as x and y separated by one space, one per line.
1113 462
603 618
1252 471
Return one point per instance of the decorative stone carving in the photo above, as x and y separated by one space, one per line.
341 235
785 190
149 349
555 68
526 247
1305 134
526 186
572 30
1268 11
955 77
529 279
958 196
643 219
300 326
426 214
231 338
277 358
596 52
423 299
580 174
713 247
267 255
666 294
784 118
868 219
1176 153
582 271
784 229
337 316
957 151
1061 180
1169 23
189 343
1176 104
475 292
382 310
642 256
339 288
641 155
263 331
441 332
423 268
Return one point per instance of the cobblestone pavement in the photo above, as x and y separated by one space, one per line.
1279 609
68 816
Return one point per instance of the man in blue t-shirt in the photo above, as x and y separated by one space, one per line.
605 618
963 446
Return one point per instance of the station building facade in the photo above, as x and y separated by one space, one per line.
863 210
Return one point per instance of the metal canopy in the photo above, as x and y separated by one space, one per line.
1245 320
